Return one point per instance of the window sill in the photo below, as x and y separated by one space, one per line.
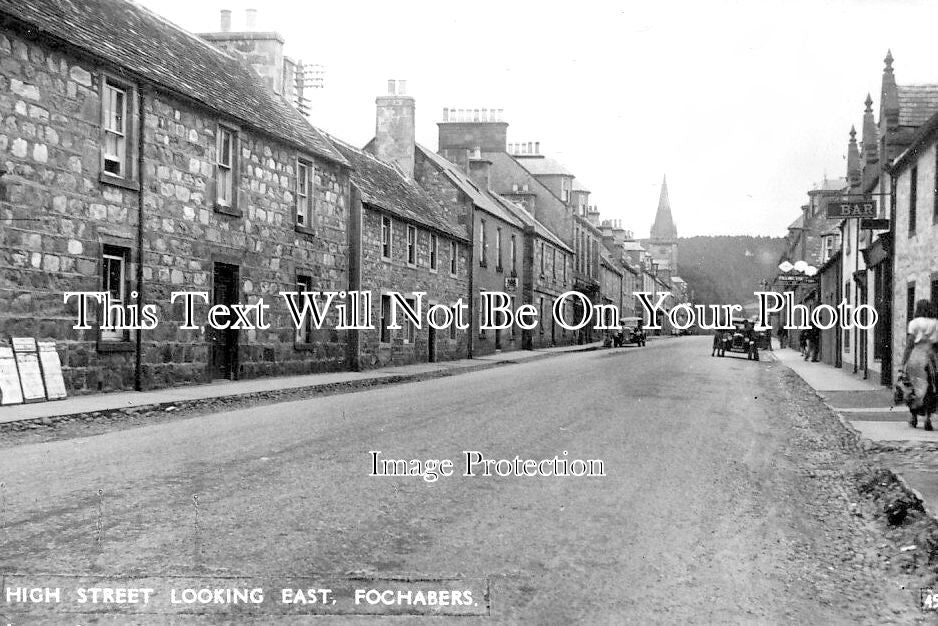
227 210
452 274
116 181
115 346
386 259
433 270
412 266
306 230
499 269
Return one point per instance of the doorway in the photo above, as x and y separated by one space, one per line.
224 342
431 345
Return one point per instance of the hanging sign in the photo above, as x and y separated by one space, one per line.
51 370
851 210
10 391
27 361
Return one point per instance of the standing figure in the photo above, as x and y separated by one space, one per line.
920 363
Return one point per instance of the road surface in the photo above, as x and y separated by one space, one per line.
721 502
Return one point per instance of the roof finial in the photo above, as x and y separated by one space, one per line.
853 134
888 61
869 103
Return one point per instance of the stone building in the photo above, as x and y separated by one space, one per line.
867 263
497 249
143 161
662 242
406 245
915 227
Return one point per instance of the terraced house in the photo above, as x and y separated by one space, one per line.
142 160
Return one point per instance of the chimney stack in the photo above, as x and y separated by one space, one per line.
226 20
250 20
395 127
480 172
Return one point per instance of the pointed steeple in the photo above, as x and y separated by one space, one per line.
663 229
853 160
889 96
870 134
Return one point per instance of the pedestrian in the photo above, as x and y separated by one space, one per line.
803 341
920 363
783 337
812 343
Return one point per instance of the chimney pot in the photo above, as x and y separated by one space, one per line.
250 19
537 147
225 20
402 87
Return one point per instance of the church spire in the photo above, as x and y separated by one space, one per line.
663 229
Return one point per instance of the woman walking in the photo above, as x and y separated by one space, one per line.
920 363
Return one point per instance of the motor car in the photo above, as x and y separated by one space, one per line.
631 331
739 343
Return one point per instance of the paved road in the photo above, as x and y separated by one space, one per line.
720 503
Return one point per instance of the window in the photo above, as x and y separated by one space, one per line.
410 329
553 263
114 104
225 168
564 193
498 249
934 217
452 327
304 194
434 250
934 290
542 258
114 281
909 301
411 245
385 319
541 317
482 244
514 256
304 334
386 231
913 199
563 259
453 257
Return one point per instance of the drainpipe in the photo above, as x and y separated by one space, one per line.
472 269
354 271
138 352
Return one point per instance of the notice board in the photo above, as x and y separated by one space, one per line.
27 361
51 370
10 391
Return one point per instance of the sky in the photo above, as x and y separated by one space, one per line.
744 105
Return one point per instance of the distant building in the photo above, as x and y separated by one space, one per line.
662 243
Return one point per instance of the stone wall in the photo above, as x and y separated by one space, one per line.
380 275
915 255
60 217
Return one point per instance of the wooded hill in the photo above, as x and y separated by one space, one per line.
727 269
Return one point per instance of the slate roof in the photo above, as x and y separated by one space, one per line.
578 186
481 198
132 37
541 165
384 186
917 103
522 214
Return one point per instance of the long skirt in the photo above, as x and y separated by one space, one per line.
922 370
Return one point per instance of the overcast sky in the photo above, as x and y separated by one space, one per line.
744 105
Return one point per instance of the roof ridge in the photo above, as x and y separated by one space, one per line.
181 29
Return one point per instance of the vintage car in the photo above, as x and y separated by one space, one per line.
735 340
631 331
